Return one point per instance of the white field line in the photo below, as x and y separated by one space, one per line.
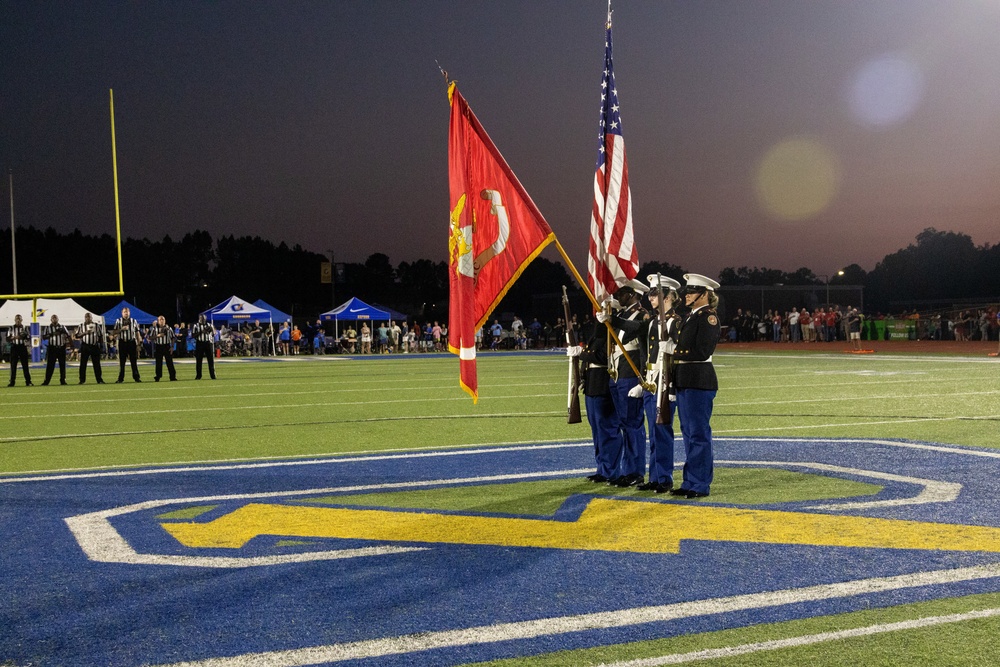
921 420
560 625
337 459
299 406
102 543
805 640
287 406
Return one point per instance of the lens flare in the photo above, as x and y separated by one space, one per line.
797 179
886 91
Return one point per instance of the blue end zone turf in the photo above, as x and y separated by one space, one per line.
155 602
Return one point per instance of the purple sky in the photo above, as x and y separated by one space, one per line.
780 133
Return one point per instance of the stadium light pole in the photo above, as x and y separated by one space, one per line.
333 279
13 247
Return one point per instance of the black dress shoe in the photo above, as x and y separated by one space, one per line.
597 479
679 492
138 380
29 383
62 381
98 382
648 486
695 494
45 384
82 382
664 488
119 381
11 384
629 480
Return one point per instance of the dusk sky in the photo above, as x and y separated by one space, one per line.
781 133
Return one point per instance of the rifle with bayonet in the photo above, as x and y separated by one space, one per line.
664 379
573 388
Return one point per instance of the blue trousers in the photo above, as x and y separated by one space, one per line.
630 421
661 442
607 437
694 407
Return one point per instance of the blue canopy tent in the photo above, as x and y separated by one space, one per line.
394 315
235 308
276 315
355 309
140 316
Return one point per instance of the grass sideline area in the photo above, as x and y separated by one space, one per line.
315 407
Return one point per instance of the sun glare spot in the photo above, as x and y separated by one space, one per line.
797 179
886 91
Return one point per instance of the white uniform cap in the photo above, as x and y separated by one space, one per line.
636 285
698 280
657 281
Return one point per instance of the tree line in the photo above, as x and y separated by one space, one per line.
180 278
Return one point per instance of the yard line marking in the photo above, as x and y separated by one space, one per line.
278 464
287 406
560 625
862 423
804 640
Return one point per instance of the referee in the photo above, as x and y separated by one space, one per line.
163 346
204 346
128 344
18 337
58 337
90 336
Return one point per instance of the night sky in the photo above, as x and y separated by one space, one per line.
780 133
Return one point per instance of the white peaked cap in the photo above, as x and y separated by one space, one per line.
698 280
636 285
655 280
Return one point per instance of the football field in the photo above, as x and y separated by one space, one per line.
362 511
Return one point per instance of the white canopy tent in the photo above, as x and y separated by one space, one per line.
69 311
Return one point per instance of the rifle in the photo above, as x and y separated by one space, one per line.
663 381
573 400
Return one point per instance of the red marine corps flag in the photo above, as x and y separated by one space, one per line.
495 231
613 260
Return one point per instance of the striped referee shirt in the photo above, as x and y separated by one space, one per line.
18 334
128 330
58 335
203 333
90 334
161 335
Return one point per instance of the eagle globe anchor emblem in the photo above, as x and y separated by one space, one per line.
460 238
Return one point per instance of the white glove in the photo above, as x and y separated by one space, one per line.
636 391
651 377
612 304
574 350
602 316
667 347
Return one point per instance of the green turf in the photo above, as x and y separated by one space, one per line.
543 498
352 406
188 512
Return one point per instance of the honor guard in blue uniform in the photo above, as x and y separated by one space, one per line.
18 336
696 383
601 413
129 338
204 346
163 348
91 338
628 319
658 405
57 338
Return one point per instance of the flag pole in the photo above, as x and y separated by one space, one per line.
597 306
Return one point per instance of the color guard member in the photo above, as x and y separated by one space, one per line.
662 339
626 386
697 384
597 395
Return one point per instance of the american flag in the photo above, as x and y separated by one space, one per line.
613 259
